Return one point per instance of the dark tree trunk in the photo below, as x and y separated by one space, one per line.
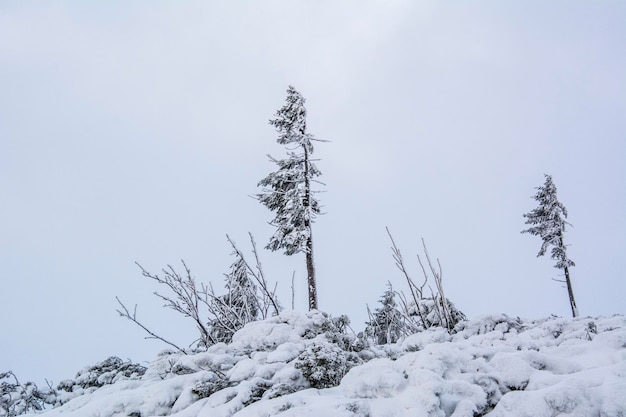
570 291
310 265
310 269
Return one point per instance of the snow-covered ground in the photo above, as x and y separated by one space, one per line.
493 366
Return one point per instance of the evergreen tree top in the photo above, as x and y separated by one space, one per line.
548 222
287 191
549 217
290 121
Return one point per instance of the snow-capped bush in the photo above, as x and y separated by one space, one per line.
335 330
489 323
17 398
427 313
205 389
107 372
323 364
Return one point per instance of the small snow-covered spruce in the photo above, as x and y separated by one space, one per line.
548 222
288 191
238 307
267 303
386 323
337 330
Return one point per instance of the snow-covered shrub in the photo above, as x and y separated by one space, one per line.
281 389
327 359
489 323
289 326
205 389
335 331
103 373
17 399
324 364
427 313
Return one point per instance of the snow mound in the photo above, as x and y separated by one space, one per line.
380 378
494 366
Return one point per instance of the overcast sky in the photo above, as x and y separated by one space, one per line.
137 131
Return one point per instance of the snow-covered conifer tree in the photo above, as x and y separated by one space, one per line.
288 190
238 307
548 222
386 324
242 292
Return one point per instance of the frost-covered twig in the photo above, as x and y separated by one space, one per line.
416 292
439 298
133 317
440 308
188 297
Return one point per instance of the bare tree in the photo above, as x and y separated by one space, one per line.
421 311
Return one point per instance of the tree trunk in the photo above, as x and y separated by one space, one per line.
570 291
310 265
310 269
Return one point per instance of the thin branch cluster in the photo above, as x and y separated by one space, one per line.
216 317
427 306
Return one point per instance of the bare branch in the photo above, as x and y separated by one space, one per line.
187 297
125 313
416 291
440 307
293 290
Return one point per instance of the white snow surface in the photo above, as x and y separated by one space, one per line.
493 366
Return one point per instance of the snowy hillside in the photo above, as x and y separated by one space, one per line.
494 366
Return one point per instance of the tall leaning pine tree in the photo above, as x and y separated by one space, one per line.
288 191
548 222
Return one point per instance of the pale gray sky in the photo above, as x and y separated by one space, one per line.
137 130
